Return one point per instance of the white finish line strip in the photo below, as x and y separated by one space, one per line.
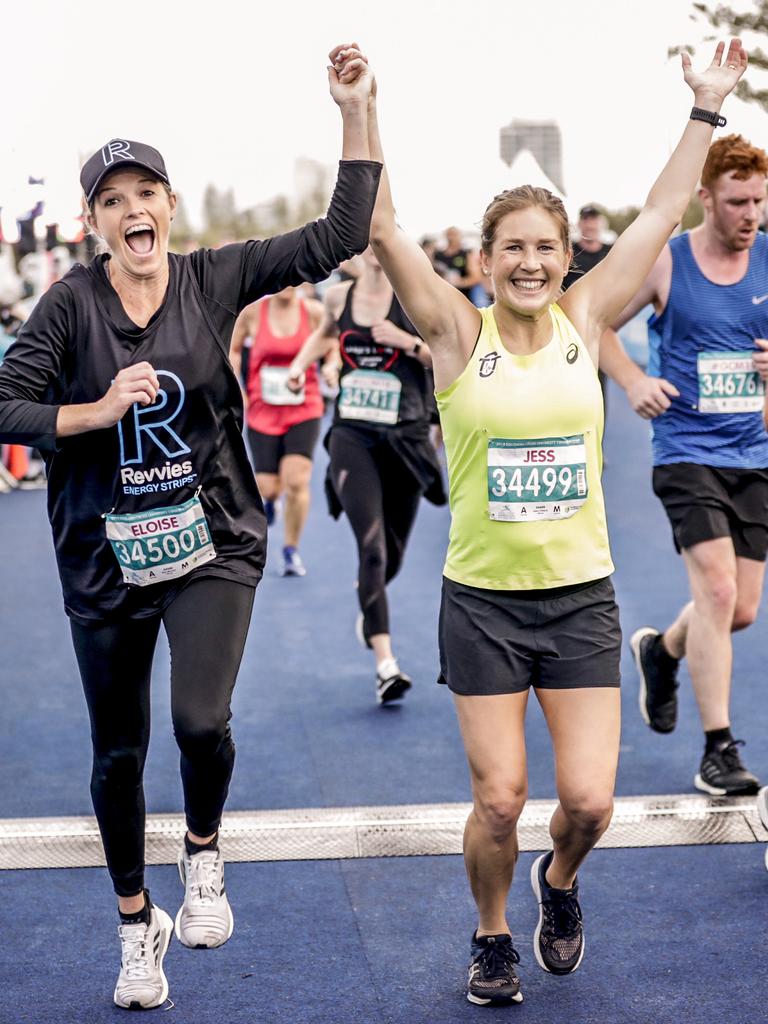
348 833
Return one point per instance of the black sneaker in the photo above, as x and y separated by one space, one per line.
493 980
658 679
722 773
558 942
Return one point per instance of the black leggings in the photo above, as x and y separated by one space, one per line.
206 627
381 498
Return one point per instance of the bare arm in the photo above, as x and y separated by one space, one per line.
595 301
323 338
245 325
648 396
444 318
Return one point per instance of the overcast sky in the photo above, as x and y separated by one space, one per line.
232 93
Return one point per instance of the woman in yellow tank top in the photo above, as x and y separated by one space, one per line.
527 598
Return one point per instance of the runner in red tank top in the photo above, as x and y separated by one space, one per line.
282 426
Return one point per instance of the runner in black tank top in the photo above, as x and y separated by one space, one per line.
382 460
122 377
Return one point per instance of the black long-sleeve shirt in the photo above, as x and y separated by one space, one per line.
79 337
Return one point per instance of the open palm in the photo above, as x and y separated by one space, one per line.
720 77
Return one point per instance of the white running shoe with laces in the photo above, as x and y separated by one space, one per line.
391 682
141 984
204 920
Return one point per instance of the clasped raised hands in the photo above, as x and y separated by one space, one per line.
349 77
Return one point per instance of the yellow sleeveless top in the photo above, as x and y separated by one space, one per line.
523 436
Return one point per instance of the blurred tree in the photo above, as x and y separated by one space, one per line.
619 220
737 23
182 233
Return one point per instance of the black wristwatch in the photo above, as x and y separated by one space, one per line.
418 345
717 120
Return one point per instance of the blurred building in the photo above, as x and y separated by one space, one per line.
542 139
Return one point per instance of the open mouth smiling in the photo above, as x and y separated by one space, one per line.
525 284
140 239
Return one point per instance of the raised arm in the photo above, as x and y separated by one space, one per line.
596 300
444 318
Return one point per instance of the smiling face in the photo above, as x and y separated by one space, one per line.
527 261
132 212
734 209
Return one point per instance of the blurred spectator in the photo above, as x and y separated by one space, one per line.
461 265
588 245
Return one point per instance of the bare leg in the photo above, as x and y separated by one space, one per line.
295 474
269 486
584 724
494 740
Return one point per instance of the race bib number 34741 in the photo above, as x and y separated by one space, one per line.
535 479
728 382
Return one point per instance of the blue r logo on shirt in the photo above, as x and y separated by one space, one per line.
154 422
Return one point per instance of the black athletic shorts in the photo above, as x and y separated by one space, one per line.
268 449
703 503
503 641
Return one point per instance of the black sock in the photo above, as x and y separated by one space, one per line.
193 848
141 916
717 738
662 653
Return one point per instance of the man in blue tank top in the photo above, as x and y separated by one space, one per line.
705 392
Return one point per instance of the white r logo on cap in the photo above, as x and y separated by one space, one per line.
116 148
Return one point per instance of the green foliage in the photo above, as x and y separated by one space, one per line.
619 220
729 21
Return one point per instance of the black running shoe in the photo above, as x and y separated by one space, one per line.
722 773
558 942
493 980
658 679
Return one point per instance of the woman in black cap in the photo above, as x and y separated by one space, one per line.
121 377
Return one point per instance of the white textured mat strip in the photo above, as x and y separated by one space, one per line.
410 830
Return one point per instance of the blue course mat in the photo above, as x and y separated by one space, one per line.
674 936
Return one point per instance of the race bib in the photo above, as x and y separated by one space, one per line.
541 478
729 383
274 387
164 544
370 396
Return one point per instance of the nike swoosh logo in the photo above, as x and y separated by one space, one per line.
756 300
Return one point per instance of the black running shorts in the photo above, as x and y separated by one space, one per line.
503 641
268 450
703 503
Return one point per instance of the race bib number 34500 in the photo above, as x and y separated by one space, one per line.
728 382
535 479
161 545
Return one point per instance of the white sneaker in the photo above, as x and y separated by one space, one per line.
141 983
204 920
391 683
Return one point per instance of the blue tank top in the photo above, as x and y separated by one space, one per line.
695 344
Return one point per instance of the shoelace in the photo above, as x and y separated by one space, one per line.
730 754
495 958
203 876
135 953
563 915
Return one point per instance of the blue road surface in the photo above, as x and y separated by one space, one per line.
673 934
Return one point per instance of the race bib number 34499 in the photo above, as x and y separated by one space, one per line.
728 382
535 479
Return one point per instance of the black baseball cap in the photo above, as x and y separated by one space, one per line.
120 153
590 211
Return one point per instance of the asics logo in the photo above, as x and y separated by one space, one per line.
757 299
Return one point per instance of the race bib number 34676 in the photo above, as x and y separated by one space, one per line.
728 382
538 478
